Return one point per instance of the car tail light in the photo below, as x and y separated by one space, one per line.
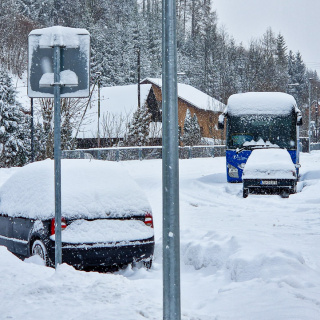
63 225
148 220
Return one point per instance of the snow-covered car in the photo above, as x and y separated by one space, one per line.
269 170
107 220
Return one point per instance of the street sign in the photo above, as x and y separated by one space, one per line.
74 46
58 67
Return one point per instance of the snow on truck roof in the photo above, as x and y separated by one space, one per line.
89 188
278 103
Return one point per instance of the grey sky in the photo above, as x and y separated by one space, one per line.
297 20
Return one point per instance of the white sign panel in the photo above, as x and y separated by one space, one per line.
75 62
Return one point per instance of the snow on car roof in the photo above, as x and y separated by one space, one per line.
269 163
277 103
89 188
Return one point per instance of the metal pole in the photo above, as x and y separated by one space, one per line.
32 132
170 166
316 126
57 156
139 67
99 111
309 124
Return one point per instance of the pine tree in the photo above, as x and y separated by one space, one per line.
14 125
138 133
191 130
39 142
282 75
298 76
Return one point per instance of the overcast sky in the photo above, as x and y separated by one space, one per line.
297 20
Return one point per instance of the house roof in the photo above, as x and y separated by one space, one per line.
117 104
192 96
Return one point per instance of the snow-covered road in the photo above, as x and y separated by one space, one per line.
253 258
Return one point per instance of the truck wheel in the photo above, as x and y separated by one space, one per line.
245 193
284 194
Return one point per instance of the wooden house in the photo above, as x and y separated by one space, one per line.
205 107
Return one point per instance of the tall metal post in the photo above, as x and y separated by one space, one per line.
99 110
139 67
309 120
170 166
57 155
32 132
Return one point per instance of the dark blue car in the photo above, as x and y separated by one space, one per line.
106 222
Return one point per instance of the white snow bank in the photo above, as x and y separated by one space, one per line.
105 231
269 163
90 189
209 251
277 103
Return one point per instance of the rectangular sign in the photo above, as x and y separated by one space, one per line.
75 62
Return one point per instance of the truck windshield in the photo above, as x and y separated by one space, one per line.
279 130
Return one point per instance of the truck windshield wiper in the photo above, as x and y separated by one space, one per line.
256 146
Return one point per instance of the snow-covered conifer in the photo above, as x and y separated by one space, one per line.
191 130
14 125
138 133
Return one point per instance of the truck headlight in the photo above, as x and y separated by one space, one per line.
233 171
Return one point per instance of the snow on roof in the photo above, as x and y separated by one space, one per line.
117 104
58 35
193 96
278 103
269 163
90 189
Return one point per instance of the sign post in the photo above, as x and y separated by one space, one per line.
170 166
58 67
57 154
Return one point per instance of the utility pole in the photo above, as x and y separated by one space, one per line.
309 122
99 76
139 70
316 114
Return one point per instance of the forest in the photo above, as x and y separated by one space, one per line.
208 57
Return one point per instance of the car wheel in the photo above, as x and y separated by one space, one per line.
39 249
245 193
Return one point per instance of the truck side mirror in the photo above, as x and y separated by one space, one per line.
299 120
221 122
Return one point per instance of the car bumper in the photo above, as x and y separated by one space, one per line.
82 256
269 185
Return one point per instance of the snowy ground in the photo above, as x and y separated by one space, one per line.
253 258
